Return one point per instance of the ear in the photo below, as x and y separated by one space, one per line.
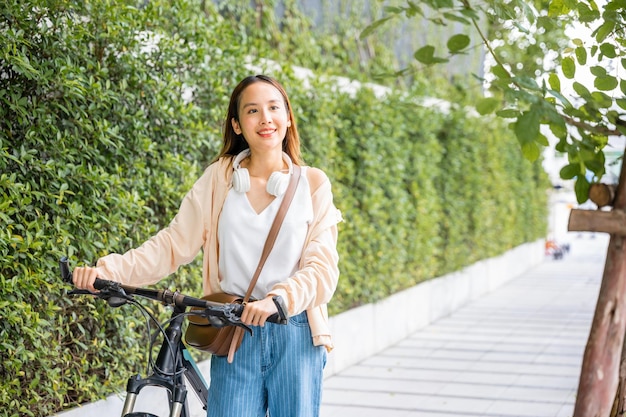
289 123
236 126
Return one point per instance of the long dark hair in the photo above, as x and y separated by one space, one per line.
234 143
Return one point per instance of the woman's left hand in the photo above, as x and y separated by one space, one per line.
255 313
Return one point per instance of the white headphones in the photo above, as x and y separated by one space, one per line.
276 184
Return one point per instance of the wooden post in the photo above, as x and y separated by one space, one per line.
599 374
613 222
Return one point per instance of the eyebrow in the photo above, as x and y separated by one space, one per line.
256 104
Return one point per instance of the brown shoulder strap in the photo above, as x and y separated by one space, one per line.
278 220
269 243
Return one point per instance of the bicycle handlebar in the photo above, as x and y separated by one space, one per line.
118 294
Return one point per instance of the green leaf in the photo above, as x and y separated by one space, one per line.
598 71
581 188
570 171
542 140
508 113
569 67
456 18
608 50
602 100
528 82
581 55
487 105
393 10
500 72
581 90
458 42
531 151
621 102
557 8
561 98
527 126
555 82
559 129
596 166
607 83
586 14
426 55
374 26
604 30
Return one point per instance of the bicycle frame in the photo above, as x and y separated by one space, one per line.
173 364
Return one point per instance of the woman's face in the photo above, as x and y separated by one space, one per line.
263 117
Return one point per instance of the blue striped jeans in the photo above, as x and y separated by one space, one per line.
276 372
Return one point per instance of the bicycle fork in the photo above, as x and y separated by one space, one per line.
177 394
167 373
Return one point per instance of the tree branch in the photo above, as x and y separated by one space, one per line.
600 130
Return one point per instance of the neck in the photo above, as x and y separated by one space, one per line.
263 165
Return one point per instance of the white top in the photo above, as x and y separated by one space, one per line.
242 234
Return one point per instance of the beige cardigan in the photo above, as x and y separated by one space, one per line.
195 227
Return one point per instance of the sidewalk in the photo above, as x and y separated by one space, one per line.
516 351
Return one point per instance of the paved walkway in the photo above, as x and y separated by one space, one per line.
514 352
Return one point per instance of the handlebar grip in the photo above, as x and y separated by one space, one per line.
275 318
66 274
279 318
100 284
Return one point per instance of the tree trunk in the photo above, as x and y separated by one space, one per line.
619 406
601 362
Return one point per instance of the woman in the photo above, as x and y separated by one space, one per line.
227 214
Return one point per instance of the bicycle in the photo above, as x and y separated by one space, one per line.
174 364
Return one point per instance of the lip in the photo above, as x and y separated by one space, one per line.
266 132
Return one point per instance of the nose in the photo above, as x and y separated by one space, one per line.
266 117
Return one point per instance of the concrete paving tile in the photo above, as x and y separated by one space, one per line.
524 409
391 386
515 352
376 399
458 354
417 363
419 341
414 351
524 368
552 359
519 357
400 373
500 346
356 411
547 381
458 405
517 393
473 377
566 411
491 390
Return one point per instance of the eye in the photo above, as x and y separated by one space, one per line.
251 111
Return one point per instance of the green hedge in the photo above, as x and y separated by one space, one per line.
101 134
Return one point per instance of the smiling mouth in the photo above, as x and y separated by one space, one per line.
266 132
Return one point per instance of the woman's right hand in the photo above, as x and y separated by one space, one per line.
83 278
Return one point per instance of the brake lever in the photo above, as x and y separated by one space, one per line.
226 316
114 295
